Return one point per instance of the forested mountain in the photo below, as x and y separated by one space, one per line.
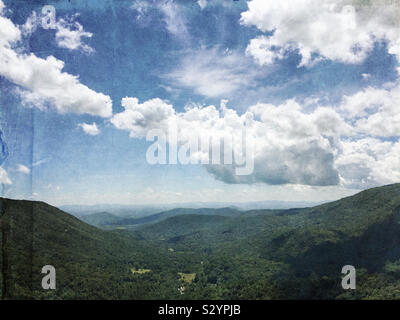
100 219
133 222
90 263
209 253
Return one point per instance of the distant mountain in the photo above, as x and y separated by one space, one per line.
140 211
100 219
135 211
221 253
172 213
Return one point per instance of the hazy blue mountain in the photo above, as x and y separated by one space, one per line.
140 211
172 213
100 219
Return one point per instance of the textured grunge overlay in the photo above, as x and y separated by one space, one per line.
299 160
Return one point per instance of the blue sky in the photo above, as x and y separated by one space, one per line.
265 59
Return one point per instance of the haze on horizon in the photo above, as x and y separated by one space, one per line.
315 85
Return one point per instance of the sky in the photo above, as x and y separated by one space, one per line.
314 84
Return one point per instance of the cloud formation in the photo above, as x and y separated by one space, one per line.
375 111
227 72
69 32
202 4
368 162
171 12
41 82
23 169
4 179
90 129
138 118
329 145
343 31
69 35
290 146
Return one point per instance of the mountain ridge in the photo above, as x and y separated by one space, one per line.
257 254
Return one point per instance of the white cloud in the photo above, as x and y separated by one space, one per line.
4 179
139 118
374 111
290 146
90 129
172 16
23 169
30 25
42 83
366 76
369 162
69 35
345 145
40 162
371 156
337 30
213 73
202 3
141 7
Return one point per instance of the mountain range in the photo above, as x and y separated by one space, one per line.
205 253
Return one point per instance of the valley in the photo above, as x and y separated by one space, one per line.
206 253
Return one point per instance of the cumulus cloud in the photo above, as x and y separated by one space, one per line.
69 32
90 129
367 162
69 35
42 83
23 169
138 118
374 111
344 144
290 146
338 30
4 179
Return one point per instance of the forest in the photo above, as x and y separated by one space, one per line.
205 253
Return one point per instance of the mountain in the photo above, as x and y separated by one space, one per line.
135 211
211 253
100 219
90 263
305 248
127 222
140 211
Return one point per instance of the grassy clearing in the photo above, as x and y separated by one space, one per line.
187 277
140 271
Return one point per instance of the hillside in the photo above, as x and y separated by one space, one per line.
107 220
212 253
100 219
90 263
307 244
158 217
